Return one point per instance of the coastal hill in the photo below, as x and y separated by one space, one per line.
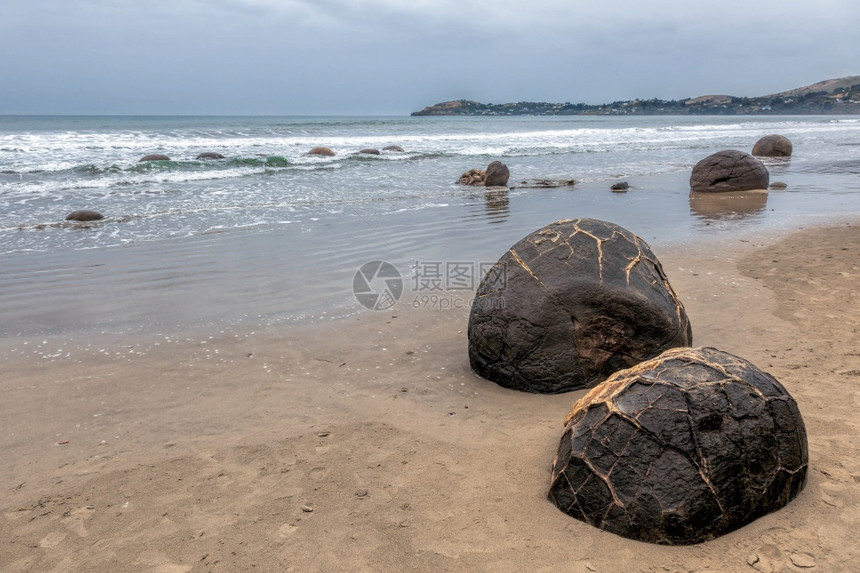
836 96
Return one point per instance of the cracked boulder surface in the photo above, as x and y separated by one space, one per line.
569 305
729 170
681 449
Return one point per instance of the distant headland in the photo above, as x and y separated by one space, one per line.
837 96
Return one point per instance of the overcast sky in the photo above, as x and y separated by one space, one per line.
392 57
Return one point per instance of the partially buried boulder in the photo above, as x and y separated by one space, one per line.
681 449
369 151
729 170
154 157
620 187
323 151
209 155
395 148
772 146
570 304
497 175
84 215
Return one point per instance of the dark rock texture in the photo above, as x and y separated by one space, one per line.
370 151
681 449
772 146
497 174
474 177
729 170
570 304
546 183
621 186
209 155
324 151
154 157
84 215
395 148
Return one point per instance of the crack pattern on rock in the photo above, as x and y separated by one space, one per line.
689 445
595 296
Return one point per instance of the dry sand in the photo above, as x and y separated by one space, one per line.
368 445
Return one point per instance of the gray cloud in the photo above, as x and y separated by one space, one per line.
392 56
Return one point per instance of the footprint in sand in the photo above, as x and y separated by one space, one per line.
767 559
318 473
52 539
75 518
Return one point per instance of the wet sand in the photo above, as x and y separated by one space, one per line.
366 444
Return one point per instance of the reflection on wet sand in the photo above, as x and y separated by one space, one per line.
730 205
497 205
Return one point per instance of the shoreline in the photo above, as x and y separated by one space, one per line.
207 449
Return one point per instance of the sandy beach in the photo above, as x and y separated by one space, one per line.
366 444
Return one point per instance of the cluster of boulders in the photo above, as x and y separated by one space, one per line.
673 444
495 175
82 216
319 150
734 170
328 152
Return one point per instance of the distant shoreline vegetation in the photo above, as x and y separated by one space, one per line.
832 97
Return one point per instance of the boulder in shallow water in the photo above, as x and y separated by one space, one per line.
154 157
772 146
570 304
681 449
209 155
620 187
496 174
84 215
323 151
728 170
370 151
395 148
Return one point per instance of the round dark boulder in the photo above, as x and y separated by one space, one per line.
729 170
154 157
620 187
681 449
569 305
395 148
370 151
772 146
209 155
84 215
324 151
778 185
497 175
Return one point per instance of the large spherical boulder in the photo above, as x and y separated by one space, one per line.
729 170
322 151
154 157
84 215
497 174
772 146
569 305
681 449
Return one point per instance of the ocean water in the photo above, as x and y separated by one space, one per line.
270 235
